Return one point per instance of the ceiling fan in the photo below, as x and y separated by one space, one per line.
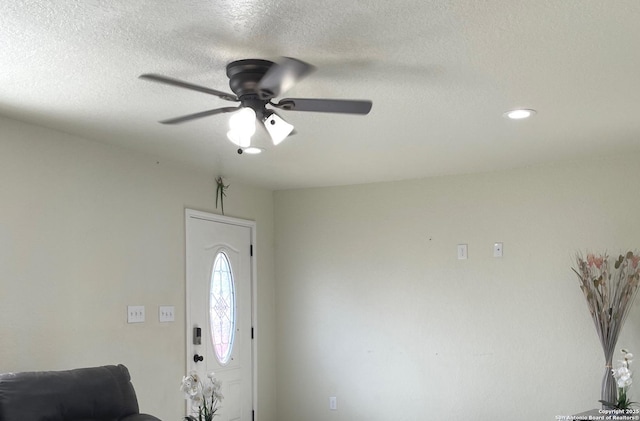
256 83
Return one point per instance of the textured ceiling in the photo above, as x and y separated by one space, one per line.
440 75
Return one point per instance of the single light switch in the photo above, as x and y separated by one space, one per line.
462 251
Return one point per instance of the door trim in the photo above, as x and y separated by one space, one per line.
191 213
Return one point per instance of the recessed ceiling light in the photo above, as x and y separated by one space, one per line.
519 114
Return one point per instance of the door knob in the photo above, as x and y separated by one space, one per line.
197 358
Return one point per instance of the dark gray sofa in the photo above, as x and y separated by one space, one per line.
84 394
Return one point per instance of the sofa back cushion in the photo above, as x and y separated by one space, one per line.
96 393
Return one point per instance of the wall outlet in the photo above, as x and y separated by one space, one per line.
135 314
166 314
333 403
497 249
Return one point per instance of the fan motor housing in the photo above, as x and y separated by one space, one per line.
244 75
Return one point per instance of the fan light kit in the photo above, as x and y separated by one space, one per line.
255 84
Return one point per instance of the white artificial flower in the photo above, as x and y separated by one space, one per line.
626 355
189 386
207 390
204 395
622 376
217 386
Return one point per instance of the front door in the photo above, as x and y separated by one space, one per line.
219 307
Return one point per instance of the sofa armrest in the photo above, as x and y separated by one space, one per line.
94 393
140 417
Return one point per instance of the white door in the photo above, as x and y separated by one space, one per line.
219 307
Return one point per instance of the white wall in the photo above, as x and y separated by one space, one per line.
374 308
87 229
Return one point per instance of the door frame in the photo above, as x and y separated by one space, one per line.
192 213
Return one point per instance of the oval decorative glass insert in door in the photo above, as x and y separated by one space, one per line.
222 315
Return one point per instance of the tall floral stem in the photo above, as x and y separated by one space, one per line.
609 388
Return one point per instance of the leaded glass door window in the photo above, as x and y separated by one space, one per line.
222 308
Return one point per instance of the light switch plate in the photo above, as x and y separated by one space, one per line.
135 314
166 314
497 249
462 251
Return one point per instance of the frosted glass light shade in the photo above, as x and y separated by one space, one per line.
242 125
278 128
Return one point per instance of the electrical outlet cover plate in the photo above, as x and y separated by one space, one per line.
497 249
